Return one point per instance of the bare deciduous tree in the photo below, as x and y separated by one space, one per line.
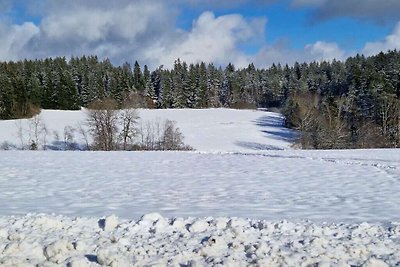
128 120
33 135
157 135
37 132
85 135
103 124
20 134
172 138
69 138
114 129
111 128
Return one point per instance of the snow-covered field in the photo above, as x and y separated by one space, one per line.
307 208
209 130
274 185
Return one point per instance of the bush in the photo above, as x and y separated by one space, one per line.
114 129
35 131
6 146
158 135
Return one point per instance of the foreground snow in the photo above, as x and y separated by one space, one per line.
156 241
244 166
350 186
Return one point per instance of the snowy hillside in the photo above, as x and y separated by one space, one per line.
209 130
244 167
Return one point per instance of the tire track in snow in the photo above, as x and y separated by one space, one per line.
390 170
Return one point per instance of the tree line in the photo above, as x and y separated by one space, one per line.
349 104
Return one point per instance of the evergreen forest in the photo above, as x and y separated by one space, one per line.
334 105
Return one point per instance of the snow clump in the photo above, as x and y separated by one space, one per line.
48 240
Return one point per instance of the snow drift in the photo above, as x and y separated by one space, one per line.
153 240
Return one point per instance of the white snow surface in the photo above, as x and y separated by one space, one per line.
208 130
351 186
307 208
49 240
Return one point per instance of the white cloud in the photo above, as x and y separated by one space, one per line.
325 51
99 24
144 31
129 30
15 38
82 25
391 42
211 39
120 32
282 53
277 53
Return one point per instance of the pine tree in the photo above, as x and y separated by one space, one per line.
6 98
138 80
201 94
213 86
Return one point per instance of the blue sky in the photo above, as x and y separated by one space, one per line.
159 31
298 27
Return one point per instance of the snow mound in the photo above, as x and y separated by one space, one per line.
194 242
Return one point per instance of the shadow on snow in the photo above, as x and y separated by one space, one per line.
280 132
273 128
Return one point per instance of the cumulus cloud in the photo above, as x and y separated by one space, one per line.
391 42
96 25
120 32
376 10
211 39
137 30
128 30
325 51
